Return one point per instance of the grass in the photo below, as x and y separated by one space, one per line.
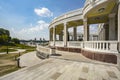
8 63
5 50
7 69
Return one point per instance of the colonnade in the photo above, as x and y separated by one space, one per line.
113 29
64 34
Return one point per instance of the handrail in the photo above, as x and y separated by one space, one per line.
43 49
102 46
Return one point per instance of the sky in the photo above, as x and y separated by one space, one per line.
29 19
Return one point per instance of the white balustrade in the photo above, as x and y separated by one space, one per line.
43 49
51 43
103 46
110 46
75 44
59 43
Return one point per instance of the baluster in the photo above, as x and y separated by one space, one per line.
106 45
92 45
103 45
100 46
97 44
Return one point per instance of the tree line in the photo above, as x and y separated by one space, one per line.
5 37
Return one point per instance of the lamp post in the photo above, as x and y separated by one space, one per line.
7 46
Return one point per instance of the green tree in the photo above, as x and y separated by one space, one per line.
4 36
16 40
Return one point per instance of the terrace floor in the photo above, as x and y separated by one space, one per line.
59 69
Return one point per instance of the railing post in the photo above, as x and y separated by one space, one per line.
99 45
103 45
106 45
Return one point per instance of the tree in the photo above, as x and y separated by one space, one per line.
4 36
16 40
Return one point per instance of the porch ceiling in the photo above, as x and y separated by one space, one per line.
99 14
74 23
98 19
59 28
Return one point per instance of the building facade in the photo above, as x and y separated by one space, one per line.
106 48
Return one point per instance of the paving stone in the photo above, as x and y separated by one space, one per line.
58 69
81 79
85 69
55 76
111 74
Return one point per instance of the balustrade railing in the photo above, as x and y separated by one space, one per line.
51 43
111 46
59 43
102 46
43 49
76 44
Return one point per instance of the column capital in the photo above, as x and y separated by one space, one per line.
85 20
65 23
112 15
53 27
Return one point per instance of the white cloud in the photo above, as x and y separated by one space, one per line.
43 12
93 28
38 27
32 31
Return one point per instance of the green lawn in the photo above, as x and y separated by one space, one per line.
5 50
8 63
15 47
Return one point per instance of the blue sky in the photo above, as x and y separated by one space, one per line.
27 19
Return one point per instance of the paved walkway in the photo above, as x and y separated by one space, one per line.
29 59
66 67
18 50
57 69
76 57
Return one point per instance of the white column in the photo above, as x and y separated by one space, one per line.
60 37
54 36
50 35
75 33
65 35
119 22
112 27
86 30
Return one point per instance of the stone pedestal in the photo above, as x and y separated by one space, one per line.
52 51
